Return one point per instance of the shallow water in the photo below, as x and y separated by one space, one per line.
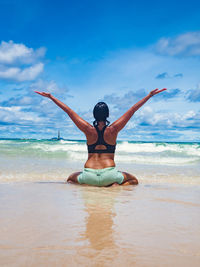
45 160
56 224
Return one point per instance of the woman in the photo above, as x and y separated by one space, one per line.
99 169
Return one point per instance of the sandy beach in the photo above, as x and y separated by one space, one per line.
57 224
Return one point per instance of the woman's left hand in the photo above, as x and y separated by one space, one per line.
156 91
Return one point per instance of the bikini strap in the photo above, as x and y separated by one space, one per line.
100 135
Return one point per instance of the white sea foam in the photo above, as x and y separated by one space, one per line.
60 147
129 152
67 142
5 142
156 160
127 147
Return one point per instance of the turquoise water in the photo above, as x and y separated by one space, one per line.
41 160
127 151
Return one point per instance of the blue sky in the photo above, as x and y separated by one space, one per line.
86 51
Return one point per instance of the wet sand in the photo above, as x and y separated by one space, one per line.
57 224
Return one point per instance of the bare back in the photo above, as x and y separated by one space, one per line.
103 160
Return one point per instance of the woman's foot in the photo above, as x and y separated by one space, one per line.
115 184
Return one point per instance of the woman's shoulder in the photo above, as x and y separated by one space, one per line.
111 129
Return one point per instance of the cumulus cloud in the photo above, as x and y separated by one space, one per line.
147 117
17 101
18 74
11 53
20 63
193 95
27 121
187 44
162 120
15 115
34 111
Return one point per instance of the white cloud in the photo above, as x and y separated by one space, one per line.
20 63
163 120
15 115
187 44
11 53
18 74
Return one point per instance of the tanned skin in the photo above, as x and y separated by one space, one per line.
103 160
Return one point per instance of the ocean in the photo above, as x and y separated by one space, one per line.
50 160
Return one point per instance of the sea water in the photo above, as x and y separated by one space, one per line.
40 160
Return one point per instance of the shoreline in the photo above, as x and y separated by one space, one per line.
21 169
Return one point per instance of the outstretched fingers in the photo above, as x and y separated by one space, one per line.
157 91
43 93
38 92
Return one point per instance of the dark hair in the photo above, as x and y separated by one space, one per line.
101 113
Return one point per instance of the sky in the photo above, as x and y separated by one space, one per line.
86 51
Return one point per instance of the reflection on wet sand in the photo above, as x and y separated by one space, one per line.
68 225
99 224
99 219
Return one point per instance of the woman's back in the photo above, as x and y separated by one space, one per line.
98 159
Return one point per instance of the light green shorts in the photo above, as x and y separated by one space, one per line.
100 177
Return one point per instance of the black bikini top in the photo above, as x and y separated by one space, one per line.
100 141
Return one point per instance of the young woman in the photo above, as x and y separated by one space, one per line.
99 169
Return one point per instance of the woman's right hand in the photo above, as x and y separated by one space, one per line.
44 94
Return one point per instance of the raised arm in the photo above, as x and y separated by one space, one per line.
119 124
83 125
